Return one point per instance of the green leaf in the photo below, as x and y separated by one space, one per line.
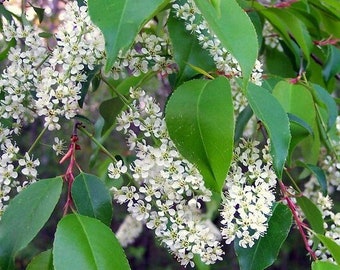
297 120
187 50
331 245
332 65
43 261
265 250
85 243
241 122
92 198
312 213
272 115
120 21
85 85
297 100
199 117
291 28
318 173
226 23
40 13
325 100
45 34
109 110
4 52
324 265
25 215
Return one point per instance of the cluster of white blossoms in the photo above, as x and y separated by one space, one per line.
40 81
330 164
224 61
249 194
271 38
168 190
149 52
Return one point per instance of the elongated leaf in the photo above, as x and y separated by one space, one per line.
331 245
312 214
297 120
266 249
43 261
324 99
270 112
25 216
187 50
120 21
297 100
85 243
291 28
324 265
92 198
199 117
332 65
318 173
241 122
226 22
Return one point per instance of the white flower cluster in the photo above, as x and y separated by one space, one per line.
38 81
128 231
249 194
225 62
331 226
168 190
149 52
331 166
271 38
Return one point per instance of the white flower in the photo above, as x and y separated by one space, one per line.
115 170
29 166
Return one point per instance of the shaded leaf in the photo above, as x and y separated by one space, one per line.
85 243
120 21
85 85
332 65
265 250
109 110
24 217
312 213
270 112
43 261
318 173
187 51
199 117
92 198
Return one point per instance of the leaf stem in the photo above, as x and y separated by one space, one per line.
37 140
88 134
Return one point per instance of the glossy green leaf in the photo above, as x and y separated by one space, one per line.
331 245
312 213
199 117
270 112
242 121
297 100
86 243
324 265
120 21
43 261
187 51
265 250
297 120
332 65
24 217
226 23
325 100
92 198
291 28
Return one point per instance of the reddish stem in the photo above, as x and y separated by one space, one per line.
299 223
68 176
